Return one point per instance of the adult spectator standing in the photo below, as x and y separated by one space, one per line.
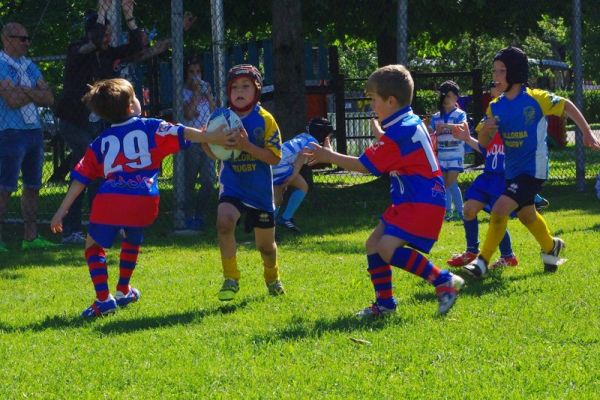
198 104
88 60
22 88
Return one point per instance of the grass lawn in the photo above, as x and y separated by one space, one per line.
518 334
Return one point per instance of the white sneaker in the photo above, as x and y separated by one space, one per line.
552 260
477 268
374 311
447 292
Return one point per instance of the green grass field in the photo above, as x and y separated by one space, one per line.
519 334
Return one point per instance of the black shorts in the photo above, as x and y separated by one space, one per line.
255 218
522 189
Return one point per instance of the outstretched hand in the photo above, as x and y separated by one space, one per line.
317 154
222 136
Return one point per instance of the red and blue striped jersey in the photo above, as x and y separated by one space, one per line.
416 184
128 156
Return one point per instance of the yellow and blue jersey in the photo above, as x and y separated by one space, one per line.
246 178
523 126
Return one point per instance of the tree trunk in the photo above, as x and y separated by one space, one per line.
387 48
288 77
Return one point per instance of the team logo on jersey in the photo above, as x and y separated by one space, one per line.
554 99
377 145
438 190
529 115
166 128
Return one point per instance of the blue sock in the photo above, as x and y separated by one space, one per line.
505 245
472 235
293 203
448 201
457 199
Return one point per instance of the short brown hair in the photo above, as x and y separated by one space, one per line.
392 80
110 99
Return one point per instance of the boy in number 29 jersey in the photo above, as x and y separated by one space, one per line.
127 157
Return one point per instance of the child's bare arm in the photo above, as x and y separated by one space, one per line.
589 139
487 132
74 190
223 136
325 154
461 132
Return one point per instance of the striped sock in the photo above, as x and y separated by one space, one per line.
415 263
127 262
381 277
96 260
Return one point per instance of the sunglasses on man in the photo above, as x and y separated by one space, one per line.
23 39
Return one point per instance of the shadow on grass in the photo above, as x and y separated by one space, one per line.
164 321
594 228
300 328
54 322
494 282
61 322
57 257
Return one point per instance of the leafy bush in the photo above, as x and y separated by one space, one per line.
591 103
425 102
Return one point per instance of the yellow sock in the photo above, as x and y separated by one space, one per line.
494 236
230 269
541 233
271 272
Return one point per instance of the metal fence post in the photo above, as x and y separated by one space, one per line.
577 67
177 72
218 37
402 34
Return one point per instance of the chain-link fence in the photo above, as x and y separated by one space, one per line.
42 139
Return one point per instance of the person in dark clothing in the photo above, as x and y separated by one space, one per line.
89 59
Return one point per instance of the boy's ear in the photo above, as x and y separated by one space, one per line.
392 101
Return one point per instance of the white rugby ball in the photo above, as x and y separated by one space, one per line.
223 116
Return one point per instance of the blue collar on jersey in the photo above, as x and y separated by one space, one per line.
395 117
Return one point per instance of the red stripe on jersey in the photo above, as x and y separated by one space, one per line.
124 210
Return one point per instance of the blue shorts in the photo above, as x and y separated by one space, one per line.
454 164
279 179
21 150
105 235
486 189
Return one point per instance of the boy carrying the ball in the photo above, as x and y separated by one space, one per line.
127 157
246 182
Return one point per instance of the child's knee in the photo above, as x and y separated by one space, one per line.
371 245
470 211
225 224
267 249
